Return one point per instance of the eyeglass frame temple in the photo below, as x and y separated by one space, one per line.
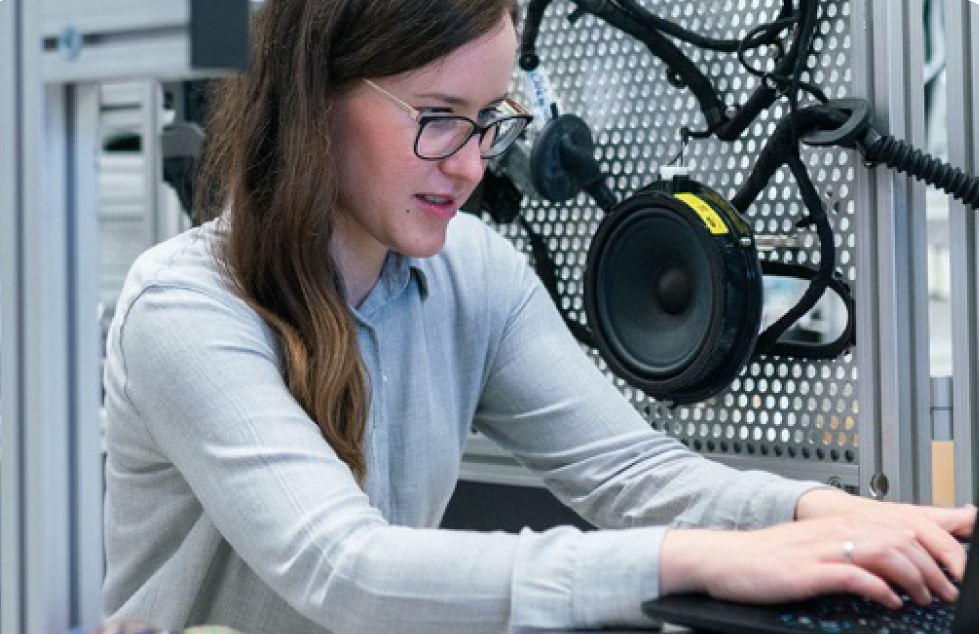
414 113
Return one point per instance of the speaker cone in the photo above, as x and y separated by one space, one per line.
673 291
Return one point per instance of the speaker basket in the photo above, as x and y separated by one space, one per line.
673 291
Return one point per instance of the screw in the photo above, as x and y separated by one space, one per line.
879 486
70 43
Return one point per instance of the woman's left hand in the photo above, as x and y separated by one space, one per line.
939 530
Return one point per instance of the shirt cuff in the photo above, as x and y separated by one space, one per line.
615 572
565 578
780 507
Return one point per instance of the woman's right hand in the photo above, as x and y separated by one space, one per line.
802 559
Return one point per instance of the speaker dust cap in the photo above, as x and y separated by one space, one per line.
673 291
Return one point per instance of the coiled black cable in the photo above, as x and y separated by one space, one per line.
905 158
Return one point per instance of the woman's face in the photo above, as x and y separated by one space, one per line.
390 198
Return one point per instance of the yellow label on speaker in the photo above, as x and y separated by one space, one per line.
710 217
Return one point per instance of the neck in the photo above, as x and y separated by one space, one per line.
358 289
360 265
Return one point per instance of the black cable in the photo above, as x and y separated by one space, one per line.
773 28
779 80
903 157
547 271
810 88
711 104
765 95
768 342
847 337
581 165
781 150
533 18
629 17
675 30
807 35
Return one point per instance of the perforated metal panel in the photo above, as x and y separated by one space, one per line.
778 409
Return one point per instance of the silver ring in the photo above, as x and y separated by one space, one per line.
849 549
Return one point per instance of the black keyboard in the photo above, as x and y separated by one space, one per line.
838 614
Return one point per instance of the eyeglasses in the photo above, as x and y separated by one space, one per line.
442 135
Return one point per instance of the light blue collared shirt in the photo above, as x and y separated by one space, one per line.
224 505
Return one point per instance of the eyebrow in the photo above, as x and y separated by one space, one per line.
455 101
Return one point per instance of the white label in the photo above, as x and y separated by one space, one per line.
540 95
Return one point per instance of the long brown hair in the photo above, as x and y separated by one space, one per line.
270 161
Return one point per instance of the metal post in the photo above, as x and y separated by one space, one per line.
11 193
868 307
51 55
151 109
85 391
893 320
962 72
43 322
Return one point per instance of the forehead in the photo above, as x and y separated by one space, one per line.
471 72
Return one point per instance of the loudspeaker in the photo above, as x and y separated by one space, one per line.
673 291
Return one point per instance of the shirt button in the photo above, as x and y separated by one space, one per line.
384 377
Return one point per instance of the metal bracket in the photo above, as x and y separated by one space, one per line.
118 39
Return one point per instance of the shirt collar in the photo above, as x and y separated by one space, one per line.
415 267
396 274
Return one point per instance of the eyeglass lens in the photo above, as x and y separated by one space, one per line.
442 136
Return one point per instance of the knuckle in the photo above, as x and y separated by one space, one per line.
852 577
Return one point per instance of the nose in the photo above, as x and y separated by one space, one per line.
466 163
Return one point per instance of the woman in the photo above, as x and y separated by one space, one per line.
290 386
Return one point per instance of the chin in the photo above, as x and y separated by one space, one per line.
422 254
423 248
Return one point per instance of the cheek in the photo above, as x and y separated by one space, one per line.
363 167
380 185
377 159
359 140
391 175
378 169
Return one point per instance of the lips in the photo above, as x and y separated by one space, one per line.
438 205
436 199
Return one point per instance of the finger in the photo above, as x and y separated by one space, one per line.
944 548
899 560
933 577
966 521
957 521
837 577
